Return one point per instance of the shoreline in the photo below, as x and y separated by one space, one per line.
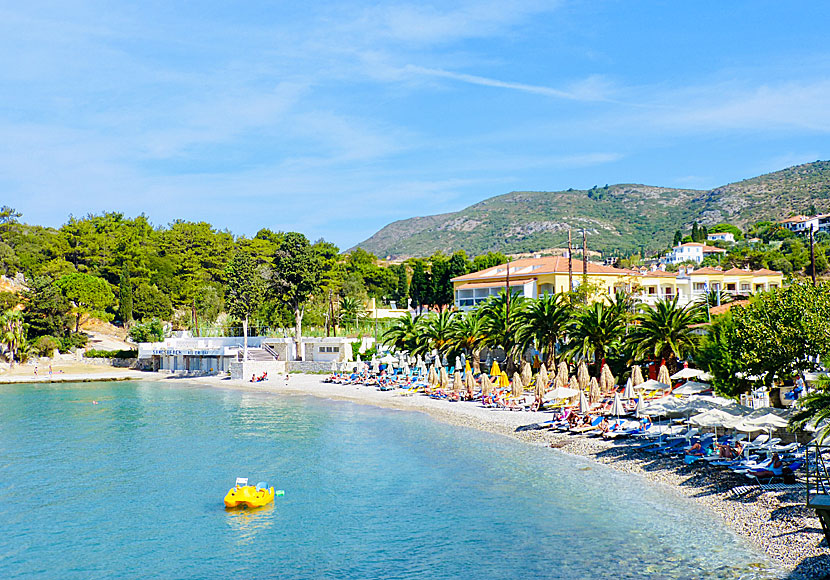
777 523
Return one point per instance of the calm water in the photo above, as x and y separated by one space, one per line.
133 487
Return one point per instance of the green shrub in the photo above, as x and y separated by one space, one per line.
45 346
152 331
96 353
73 340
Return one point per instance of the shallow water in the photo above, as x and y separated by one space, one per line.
133 487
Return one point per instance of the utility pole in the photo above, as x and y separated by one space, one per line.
584 257
812 257
570 264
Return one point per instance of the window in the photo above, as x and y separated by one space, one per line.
700 286
652 290
545 289
745 287
759 287
668 291
730 287
771 286
329 349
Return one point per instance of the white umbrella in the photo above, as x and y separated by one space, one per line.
584 407
561 393
651 385
629 390
617 406
640 406
716 418
691 388
388 359
333 366
687 373
767 422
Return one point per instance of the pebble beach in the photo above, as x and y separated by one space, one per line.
778 522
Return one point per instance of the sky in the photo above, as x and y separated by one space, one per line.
337 118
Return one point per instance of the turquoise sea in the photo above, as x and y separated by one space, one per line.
132 488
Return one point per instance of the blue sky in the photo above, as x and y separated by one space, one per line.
336 118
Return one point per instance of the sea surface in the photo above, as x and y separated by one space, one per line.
132 487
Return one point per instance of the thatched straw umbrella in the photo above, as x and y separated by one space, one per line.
542 377
602 382
486 385
574 384
527 373
517 388
540 387
432 376
594 392
444 380
582 376
457 384
469 383
563 371
636 376
610 381
663 375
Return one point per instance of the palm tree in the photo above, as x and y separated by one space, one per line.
467 333
665 331
501 319
403 333
12 333
438 329
714 298
351 311
595 331
814 409
544 321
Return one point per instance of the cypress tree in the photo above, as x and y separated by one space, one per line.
125 297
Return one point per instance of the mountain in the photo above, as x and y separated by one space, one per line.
623 217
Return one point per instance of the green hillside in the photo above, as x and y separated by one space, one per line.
623 217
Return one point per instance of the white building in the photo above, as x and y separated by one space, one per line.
721 237
216 354
803 224
692 251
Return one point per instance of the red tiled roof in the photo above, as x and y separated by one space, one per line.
547 265
493 284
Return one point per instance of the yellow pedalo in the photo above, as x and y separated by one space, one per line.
251 496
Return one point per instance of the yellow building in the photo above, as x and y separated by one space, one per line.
533 277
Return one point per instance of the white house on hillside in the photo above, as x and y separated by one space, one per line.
692 251
721 237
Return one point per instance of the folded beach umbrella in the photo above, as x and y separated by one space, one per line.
601 382
584 407
610 380
495 370
486 385
628 393
663 375
517 387
594 394
444 378
504 382
542 376
617 407
636 375
431 376
582 376
333 367
527 373
573 384
640 406
563 371
467 369
469 382
457 385
539 388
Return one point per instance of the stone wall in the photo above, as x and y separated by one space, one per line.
243 370
308 366
110 362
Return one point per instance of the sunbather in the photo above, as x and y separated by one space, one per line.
774 469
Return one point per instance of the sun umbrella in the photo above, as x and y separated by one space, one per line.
610 380
652 385
539 388
456 381
629 390
405 369
601 382
687 373
594 393
582 376
527 373
561 393
388 359
584 407
444 378
495 370
636 375
768 422
562 371
691 388
517 388
333 367
432 378
617 406
504 382
467 369
469 382
716 418
663 375
640 406
486 385
542 376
